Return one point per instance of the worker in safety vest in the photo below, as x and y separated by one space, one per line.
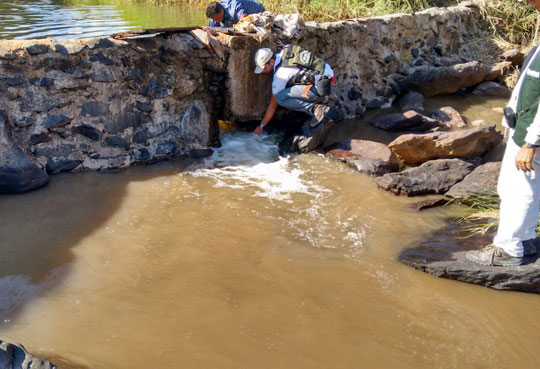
519 179
302 82
227 13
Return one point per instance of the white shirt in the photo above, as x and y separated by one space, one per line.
283 74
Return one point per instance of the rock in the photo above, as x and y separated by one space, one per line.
102 76
480 183
94 108
87 131
14 356
492 89
144 106
412 101
57 165
409 120
67 47
368 157
515 56
17 172
128 119
200 153
7 54
194 127
498 70
116 141
443 255
166 148
155 89
37 48
100 57
446 80
100 43
468 143
496 153
14 81
435 176
150 131
428 204
449 116
39 138
56 121
478 123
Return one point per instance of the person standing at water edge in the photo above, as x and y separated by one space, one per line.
519 179
301 82
227 13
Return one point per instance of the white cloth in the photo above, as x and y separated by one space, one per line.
282 75
520 201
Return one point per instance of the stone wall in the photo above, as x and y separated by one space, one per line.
373 58
96 104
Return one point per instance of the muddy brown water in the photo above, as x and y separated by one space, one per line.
246 260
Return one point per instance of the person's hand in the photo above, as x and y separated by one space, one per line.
258 130
524 158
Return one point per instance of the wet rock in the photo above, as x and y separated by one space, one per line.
15 356
354 94
467 143
57 165
409 120
116 141
435 176
368 157
480 183
17 172
56 121
411 101
449 116
141 155
428 204
515 56
120 122
87 131
492 89
446 80
37 48
443 255
94 109
200 153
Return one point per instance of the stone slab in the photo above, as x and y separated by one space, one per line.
443 255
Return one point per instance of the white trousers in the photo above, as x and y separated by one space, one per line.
520 201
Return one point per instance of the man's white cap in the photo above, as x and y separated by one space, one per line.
262 56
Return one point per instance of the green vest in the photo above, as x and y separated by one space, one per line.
529 95
295 56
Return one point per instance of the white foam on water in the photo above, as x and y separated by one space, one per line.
246 161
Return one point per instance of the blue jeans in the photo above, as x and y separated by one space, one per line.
291 98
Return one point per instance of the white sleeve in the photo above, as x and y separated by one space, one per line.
533 132
328 71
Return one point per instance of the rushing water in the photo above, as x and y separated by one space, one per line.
244 260
30 19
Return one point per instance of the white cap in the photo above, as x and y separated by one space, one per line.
262 56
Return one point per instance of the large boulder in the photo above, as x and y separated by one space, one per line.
515 56
447 79
13 356
444 255
407 121
498 70
480 183
468 143
17 172
435 176
373 158
449 116
411 101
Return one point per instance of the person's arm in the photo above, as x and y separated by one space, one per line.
270 111
525 155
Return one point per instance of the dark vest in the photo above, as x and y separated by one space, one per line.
528 98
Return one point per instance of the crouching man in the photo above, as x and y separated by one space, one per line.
301 82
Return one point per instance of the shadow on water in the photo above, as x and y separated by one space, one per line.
40 229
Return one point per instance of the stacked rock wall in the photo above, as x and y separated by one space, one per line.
374 59
96 104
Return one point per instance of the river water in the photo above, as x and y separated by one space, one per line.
31 19
245 260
